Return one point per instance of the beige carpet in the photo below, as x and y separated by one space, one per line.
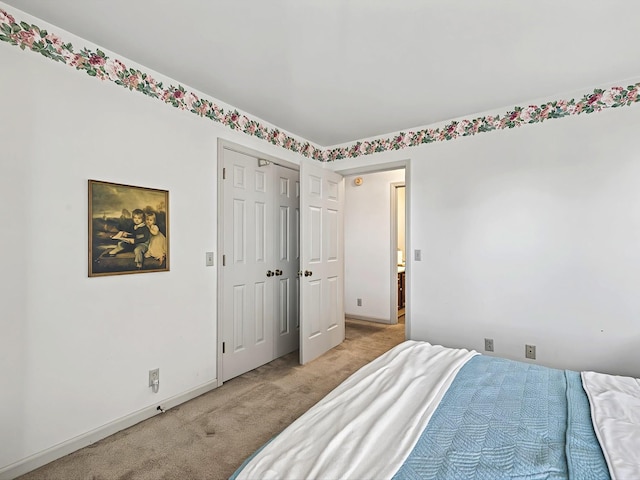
210 436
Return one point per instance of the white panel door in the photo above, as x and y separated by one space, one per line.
248 295
322 261
287 259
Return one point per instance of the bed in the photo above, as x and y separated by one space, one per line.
423 411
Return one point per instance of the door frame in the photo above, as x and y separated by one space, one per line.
393 319
222 145
383 167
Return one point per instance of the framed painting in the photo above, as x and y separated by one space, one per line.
128 229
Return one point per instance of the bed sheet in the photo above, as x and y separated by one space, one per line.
365 427
615 408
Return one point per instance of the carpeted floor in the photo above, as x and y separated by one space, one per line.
210 436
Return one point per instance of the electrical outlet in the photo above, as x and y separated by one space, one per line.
359 302
530 351
488 344
154 377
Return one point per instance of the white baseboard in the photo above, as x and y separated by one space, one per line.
39 459
369 319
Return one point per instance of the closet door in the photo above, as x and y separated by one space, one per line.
248 290
287 256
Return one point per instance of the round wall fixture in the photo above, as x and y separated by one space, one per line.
358 181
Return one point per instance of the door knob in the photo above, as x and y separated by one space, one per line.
269 273
278 272
308 273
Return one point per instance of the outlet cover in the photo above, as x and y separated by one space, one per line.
488 344
530 352
359 302
154 377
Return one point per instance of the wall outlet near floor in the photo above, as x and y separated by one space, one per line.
154 377
488 344
530 351
359 302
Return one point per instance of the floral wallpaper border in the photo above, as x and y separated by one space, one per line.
98 64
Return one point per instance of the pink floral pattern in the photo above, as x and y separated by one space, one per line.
98 64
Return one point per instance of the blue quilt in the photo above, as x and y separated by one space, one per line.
502 419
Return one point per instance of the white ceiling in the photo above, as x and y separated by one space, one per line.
334 71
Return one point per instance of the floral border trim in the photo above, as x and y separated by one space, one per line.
597 101
98 64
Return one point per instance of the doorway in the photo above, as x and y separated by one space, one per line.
371 243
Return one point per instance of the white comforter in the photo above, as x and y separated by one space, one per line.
389 405
615 412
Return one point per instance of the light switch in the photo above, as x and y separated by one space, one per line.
417 255
209 259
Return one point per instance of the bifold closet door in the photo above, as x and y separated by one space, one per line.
260 301
248 290
287 257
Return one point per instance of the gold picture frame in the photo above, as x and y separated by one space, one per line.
128 229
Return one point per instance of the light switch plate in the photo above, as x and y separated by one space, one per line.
417 255
209 256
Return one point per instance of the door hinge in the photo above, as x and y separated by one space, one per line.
224 173
224 260
224 347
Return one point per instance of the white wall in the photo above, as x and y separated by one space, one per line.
75 351
530 235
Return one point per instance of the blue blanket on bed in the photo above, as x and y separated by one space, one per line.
502 419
